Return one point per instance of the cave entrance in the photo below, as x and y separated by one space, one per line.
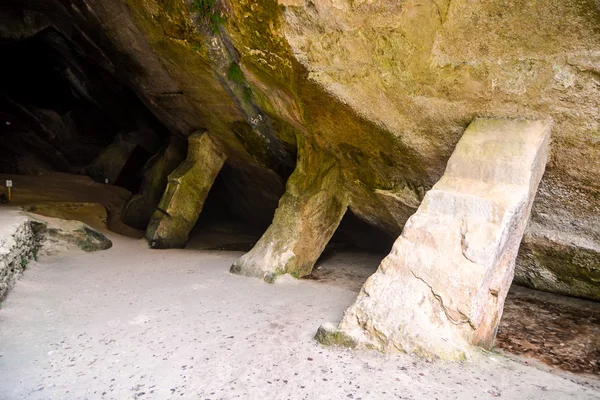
52 118
66 118
219 226
60 110
352 255
30 74
132 174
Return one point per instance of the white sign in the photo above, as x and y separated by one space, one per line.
8 183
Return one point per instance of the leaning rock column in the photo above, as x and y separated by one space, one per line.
138 210
186 191
441 290
309 212
111 161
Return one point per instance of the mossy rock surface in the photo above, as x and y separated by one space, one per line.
56 235
328 335
559 267
83 238
383 90
91 240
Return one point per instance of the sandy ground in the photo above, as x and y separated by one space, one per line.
134 323
562 332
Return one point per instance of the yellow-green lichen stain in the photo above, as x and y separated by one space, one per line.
383 90
186 192
308 214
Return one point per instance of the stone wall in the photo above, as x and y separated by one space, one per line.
22 235
18 246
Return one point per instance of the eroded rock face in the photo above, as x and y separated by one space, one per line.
308 214
18 246
382 89
186 192
442 288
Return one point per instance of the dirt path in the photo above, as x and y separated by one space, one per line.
130 323
560 331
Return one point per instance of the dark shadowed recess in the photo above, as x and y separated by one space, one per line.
562 332
221 226
132 174
226 223
59 111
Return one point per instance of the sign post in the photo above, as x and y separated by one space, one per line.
9 189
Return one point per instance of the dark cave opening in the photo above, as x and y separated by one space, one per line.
351 256
132 173
60 111
30 74
355 234
353 253
219 226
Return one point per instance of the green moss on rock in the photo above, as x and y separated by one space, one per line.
328 335
558 267
188 188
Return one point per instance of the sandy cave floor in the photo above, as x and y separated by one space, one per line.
135 323
562 332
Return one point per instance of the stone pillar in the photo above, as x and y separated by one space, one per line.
139 208
113 158
186 192
442 288
309 212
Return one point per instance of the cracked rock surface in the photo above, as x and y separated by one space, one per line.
442 288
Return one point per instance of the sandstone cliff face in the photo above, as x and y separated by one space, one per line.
421 69
382 90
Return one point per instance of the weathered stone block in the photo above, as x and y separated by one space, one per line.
186 192
18 245
308 215
442 287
